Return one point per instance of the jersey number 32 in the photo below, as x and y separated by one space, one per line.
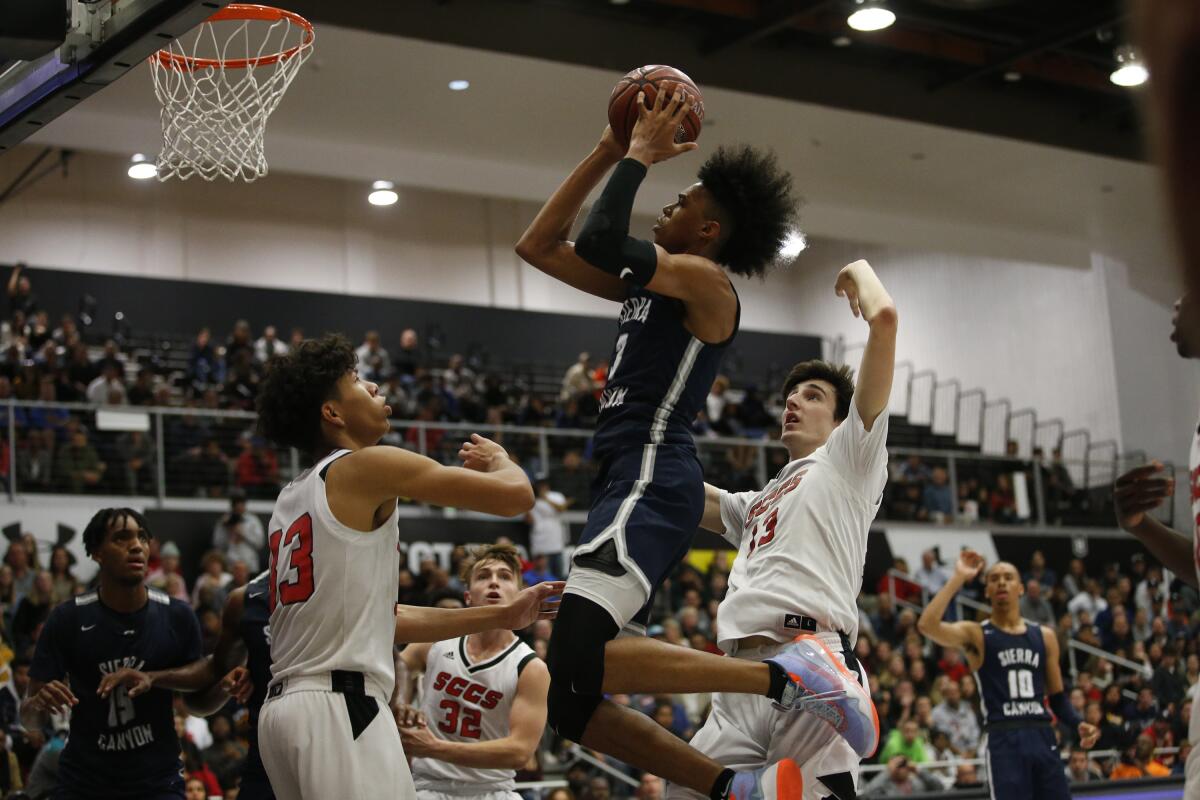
295 584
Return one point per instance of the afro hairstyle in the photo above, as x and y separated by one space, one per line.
103 520
754 196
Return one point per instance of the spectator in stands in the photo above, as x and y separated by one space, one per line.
64 584
578 378
20 293
269 346
1119 636
932 575
1075 580
211 585
547 531
1088 601
16 558
905 740
1038 571
911 471
77 464
902 588
1080 769
1035 607
204 368
900 778
408 357
574 480
649 788
240 340
374 363
108 387
1140 763
137 453
32 612
141 393
957 719
1002 501
1152 593
239 534
257 468
937 501
35 464
209 469
539 571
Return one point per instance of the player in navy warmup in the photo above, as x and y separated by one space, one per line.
679 312
119 746
1016 666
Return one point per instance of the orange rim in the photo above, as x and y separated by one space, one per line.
241 12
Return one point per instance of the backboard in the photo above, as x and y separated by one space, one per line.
103 40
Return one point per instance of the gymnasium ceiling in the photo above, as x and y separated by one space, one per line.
1034 70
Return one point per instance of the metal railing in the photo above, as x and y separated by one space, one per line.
158 453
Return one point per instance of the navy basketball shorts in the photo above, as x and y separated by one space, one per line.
1024 764
646 507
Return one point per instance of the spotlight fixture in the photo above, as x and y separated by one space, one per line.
870 15
1130 70
383 193
793 244
459 85
141 168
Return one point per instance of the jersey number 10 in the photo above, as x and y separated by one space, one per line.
298 543
1020 683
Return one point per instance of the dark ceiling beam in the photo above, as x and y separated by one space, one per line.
1050 41
783 15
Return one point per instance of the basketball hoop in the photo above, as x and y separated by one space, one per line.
217 90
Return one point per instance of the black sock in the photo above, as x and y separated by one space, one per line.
720 789
779 681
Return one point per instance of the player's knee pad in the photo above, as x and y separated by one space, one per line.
576 662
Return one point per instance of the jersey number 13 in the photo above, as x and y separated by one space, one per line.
295 585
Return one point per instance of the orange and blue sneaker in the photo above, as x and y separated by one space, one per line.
779 781
820 684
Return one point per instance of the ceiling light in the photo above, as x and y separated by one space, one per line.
459 85
870 15
141 168
793 244
842 41
619 2
1012 76
1130 70
383 193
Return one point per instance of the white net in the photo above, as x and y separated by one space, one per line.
219 84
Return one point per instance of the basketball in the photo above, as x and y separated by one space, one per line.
622 104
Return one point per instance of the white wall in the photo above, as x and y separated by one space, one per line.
1040 334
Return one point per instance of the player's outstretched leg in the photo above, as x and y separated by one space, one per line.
821 685
780 780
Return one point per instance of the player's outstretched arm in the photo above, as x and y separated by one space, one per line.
489 481
1140 491
859 284
966 636
545 243
527 721
711 521
425 624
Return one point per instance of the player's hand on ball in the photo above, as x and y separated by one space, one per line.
54 696
1139 490
1088 735
539 601
419 742
968 565
482 455
135 682
408 716
653 137
238 684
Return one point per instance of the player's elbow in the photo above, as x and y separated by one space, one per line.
599 248
925 625
519 755
516 501
530 249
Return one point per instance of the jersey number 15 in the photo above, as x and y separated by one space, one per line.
298 544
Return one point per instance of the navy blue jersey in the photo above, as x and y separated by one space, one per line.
256 633
1012 679
658 377
118 746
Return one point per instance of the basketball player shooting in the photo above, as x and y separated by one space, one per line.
1016 665
334 546
483 700
679 313
802 546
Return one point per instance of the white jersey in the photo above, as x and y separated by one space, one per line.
547 534
1193 761
333 589
465 702
802 540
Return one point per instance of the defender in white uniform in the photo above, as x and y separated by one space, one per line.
1143 489
334 541
483 697
802 544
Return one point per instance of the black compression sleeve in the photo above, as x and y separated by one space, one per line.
1062 709
604 241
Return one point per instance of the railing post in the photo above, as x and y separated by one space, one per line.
544 452
1039 490
422 447
952 468
760 463
160 460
